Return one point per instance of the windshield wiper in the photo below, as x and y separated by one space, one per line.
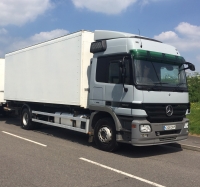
177 88
156 86
161 83
179 84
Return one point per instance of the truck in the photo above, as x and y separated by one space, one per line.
2 101
116 87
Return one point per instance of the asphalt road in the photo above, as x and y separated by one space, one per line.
51 157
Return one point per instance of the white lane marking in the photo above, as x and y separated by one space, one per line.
24 139
123 173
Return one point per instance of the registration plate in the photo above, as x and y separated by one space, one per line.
169 127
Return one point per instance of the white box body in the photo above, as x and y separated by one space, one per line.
2 69
54 72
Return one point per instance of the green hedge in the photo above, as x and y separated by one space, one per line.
193 81
194 117
194 87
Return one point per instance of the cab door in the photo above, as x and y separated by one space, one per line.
117 95
107 84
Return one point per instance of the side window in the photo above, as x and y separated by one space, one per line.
102 70
108 70
127 76
114 72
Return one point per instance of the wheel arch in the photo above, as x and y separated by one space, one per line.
100 115
25 105
95 116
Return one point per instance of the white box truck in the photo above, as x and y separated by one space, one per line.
114 86
2 101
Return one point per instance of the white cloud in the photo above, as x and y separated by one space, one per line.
37 38
166 36
146 2
186 37
18 12
108 6
9 44
44 36
104 6
188 30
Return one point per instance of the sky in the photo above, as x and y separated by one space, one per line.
27 22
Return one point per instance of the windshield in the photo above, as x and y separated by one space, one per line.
156 73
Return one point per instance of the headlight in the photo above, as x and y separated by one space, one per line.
186 125
145 128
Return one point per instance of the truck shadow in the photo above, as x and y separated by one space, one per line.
146 151
11 120
65 134
57 132
126 150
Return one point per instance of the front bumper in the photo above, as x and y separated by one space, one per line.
158 135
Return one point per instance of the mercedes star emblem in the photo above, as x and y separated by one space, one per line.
169 110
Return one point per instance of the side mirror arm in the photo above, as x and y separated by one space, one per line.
123 72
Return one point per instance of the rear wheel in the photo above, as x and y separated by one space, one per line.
2 112
105 135
26 121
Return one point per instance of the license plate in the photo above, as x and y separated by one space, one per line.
169 127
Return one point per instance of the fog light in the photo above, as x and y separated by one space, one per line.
144 135
186 125
145 128
157 133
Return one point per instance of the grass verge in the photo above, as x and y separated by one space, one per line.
194 117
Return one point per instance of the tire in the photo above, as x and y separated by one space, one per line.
26 122
2 112
105 135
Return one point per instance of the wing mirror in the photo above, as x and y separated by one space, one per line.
190 66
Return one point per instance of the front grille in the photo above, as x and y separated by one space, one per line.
157 112
168 139
160 133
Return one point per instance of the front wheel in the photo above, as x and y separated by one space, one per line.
105 135
26 122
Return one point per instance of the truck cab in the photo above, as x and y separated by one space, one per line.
141 84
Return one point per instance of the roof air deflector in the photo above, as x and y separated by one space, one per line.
107 35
